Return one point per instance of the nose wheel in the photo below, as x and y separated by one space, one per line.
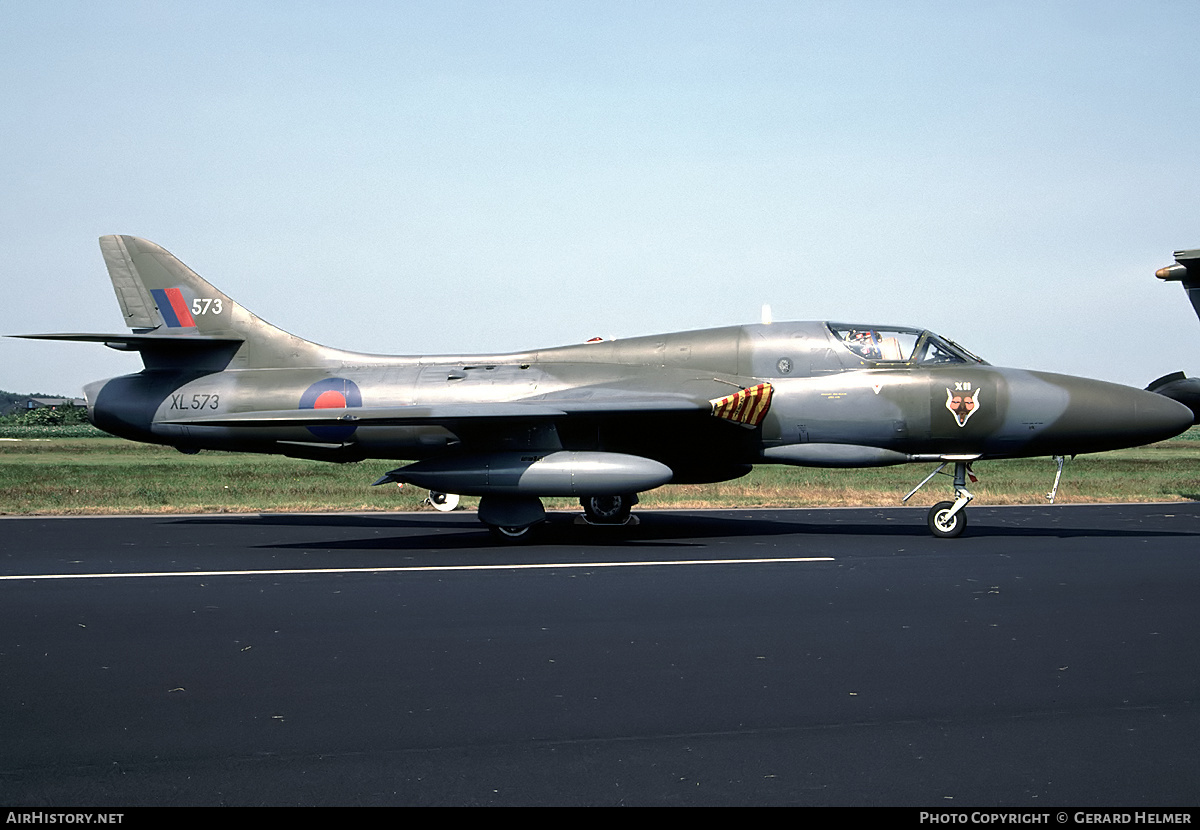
948 519
945 522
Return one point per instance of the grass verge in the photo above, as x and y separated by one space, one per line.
51 475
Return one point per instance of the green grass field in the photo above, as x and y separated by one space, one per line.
101 475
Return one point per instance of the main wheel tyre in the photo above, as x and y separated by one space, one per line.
443 502
511 534
942 524
607 510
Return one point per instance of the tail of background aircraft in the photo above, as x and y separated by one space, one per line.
1176 385
181 321
1186 270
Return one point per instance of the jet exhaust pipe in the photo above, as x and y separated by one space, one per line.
554 474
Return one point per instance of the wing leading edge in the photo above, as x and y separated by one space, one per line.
436 413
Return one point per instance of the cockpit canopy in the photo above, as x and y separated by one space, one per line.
900 345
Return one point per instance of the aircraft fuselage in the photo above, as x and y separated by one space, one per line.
823 395
600 420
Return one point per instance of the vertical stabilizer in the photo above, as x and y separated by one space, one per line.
1186 270
161 296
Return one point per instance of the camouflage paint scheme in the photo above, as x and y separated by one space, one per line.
600 420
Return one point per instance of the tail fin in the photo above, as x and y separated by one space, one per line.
182 323
167 304
1175 385
1186 270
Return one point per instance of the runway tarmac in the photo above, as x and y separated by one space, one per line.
1048 658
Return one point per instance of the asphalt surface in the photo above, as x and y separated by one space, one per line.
1048 658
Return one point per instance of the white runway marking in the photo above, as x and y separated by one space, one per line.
423 568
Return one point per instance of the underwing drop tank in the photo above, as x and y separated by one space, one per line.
521 473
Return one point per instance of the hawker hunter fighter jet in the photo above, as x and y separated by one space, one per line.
1176 385
600 421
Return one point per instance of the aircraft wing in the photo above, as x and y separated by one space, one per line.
437 413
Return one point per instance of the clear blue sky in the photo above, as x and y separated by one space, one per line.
437 177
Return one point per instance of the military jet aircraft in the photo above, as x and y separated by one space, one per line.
600 421
1176 385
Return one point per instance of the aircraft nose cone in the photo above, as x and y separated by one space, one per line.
1166 414
1105 416
1179 388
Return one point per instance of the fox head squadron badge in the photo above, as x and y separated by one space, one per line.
962 402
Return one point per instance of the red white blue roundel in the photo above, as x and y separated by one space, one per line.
332 393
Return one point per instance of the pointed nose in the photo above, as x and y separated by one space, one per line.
1184 390
1159 417
1103 416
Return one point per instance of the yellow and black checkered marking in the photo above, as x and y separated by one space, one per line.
747 407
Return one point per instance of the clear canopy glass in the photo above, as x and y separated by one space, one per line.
900 345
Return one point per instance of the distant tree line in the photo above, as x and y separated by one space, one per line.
13 404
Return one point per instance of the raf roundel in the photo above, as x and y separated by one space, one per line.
332 393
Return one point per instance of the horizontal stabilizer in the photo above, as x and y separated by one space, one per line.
140 342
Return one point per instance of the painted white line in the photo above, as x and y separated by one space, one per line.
422 568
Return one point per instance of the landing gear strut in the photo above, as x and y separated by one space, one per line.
1059 461
948 519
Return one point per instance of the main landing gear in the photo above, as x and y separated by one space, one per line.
513 518
511 534
608 510
442 502
948 519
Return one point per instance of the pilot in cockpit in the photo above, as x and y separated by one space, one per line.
863 343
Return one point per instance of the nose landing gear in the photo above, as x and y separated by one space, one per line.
948 519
